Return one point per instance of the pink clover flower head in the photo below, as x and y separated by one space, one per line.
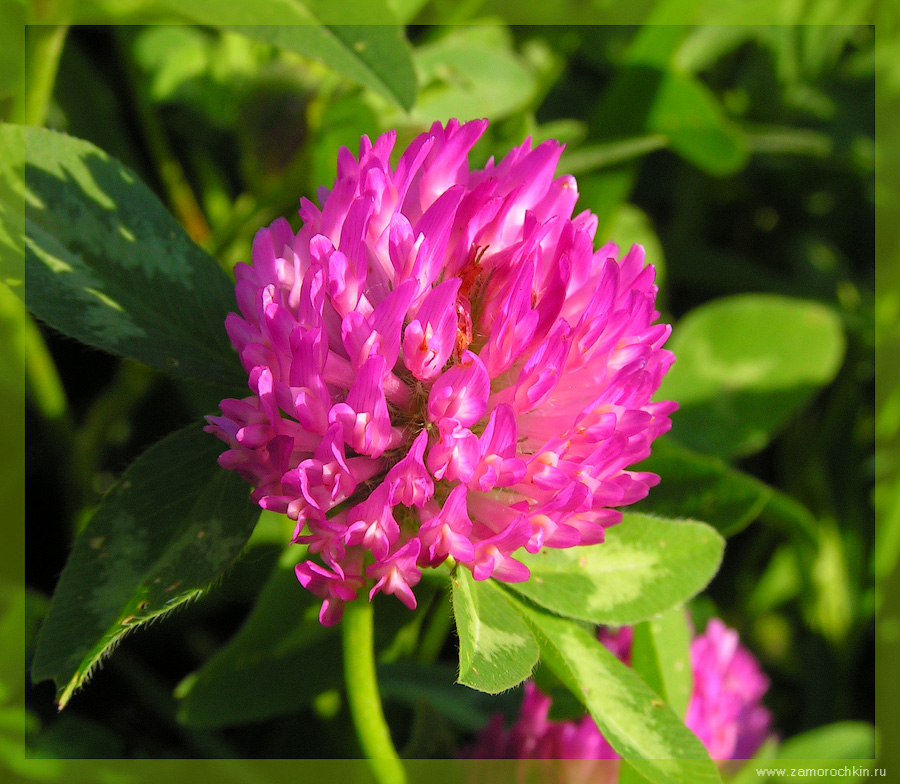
725 709
535 736
441 366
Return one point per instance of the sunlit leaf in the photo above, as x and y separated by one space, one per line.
661 655
645 566
746 365
636 722
496 648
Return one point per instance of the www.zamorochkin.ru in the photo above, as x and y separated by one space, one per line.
846 770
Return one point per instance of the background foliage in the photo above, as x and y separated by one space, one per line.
741 156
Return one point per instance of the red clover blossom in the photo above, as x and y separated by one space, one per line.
442 366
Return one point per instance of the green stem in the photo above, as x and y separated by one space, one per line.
41 377
178 190
437 630
600 156
43 47
110 410
372 730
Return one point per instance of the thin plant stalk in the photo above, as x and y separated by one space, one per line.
44 45
178 190
357 628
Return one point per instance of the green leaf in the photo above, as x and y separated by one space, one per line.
843 740
166 530
376 56
280 660
746 365
373 52
689 114
645 566
701 486
848 744
649 97
708 43
406 10
661 655
471 73
638 725
106 263
496 648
